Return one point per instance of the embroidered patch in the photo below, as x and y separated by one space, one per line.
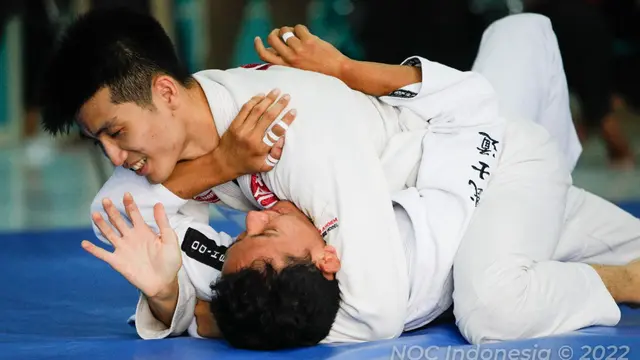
488 147
263 195
413 62
331 225
400 93
199 247
208 196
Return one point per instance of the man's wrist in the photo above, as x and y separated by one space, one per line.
347 66
222 166
167 293
163 304
195 176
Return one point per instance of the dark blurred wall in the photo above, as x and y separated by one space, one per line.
443 31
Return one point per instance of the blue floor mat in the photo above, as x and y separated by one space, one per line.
57 302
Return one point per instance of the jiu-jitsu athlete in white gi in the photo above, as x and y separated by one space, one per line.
183 117
515 266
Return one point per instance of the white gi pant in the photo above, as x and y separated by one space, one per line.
521 269
519 55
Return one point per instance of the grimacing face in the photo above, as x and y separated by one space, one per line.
146 140
276 234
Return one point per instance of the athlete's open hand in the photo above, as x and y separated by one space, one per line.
251 144
303 51
149 261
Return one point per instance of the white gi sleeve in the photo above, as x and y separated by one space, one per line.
148 327
447 98
183 216
463 140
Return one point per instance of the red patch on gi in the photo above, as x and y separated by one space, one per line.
207 196
257 66
332 224
263 195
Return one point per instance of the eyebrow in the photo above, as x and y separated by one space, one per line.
253 237
102 129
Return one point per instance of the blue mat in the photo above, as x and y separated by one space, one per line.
57 302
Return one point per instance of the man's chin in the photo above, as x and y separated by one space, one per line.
155 179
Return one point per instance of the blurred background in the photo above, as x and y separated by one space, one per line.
48 183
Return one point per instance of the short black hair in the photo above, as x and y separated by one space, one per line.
260 308
116 48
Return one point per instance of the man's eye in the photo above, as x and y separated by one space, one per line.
95 141
115 134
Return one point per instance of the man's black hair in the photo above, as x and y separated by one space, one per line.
261 308
116 48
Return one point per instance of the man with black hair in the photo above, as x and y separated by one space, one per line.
297 300
300 312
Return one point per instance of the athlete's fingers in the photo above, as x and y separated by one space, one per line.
260 109
268 55
302 32
272 114
282 125
276 42
291 41
114 217
98 252
106 230
166 231
132 210
246 110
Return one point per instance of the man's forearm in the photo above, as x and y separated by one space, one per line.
163 305
193 177
378 79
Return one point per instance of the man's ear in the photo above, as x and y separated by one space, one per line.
329 264
166 88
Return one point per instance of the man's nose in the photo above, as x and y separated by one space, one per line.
256 222
114 153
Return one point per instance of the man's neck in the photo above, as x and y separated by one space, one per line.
201 133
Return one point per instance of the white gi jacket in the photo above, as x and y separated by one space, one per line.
346 155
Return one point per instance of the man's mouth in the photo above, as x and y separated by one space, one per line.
137 166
